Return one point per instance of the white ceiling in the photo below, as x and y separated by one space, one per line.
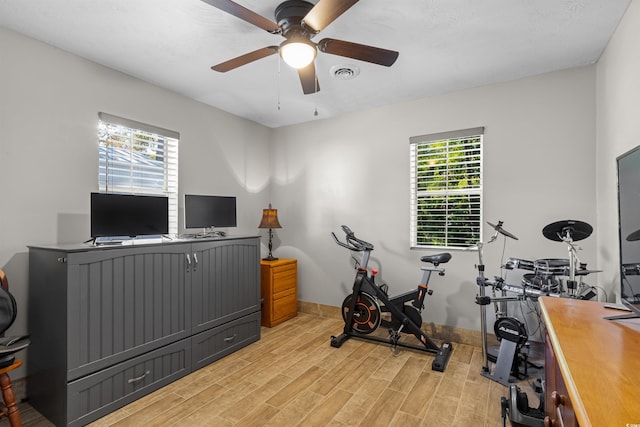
444 45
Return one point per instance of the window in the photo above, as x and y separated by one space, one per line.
446 189
136 158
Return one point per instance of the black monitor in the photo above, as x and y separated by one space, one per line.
201 211
628 167
128 215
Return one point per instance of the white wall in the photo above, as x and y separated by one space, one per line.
618 131
539 161
49 101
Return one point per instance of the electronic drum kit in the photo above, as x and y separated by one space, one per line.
548 276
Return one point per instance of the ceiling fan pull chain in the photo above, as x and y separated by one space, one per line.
315 113
278 82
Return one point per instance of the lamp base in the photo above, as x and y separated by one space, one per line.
270 258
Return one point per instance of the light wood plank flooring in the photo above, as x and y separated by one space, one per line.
293 377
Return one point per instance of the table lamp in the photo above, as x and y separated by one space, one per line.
270 220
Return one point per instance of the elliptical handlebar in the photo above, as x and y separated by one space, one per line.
352 242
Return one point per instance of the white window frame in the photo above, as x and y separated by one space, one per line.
438 147
139 172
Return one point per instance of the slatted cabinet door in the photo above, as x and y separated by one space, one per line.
223 282
123 303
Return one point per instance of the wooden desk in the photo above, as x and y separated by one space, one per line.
592 362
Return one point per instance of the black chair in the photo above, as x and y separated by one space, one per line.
8 347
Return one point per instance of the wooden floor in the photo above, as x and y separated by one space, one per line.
293 377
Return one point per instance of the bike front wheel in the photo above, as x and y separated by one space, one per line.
366 313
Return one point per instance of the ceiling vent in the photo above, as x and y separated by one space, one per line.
344 72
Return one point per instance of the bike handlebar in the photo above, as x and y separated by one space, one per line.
352 242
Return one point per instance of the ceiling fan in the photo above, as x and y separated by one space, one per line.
298 21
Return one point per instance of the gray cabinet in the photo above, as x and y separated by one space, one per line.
111 324
223 282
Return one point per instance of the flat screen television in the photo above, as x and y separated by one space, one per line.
128 215
628 167
202 211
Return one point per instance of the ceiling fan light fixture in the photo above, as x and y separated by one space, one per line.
297 53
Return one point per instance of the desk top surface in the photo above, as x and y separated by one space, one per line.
599 360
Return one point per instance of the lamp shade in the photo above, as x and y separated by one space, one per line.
269 218
297 53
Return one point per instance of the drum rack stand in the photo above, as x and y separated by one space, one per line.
510 331
569 232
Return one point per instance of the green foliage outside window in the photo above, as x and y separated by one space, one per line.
447 194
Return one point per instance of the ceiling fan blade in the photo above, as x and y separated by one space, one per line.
309 79
362 52
325 12
245 14
241 60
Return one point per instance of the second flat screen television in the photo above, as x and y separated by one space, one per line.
202 211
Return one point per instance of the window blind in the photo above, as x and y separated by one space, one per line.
137 158
446 189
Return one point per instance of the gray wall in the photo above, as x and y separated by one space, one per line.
618 131
539 161
550 146
49 101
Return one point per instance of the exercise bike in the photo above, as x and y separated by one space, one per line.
369 305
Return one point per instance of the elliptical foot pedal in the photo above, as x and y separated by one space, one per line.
442 358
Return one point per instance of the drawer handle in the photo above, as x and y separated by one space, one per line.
195 261
559 421
557 399
138 379
188 262
231 338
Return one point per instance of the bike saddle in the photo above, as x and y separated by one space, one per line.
437 258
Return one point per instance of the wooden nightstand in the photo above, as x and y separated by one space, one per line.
279 283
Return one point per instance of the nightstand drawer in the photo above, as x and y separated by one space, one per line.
285 308
284 281
285 293
284 269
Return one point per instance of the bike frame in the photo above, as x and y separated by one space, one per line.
365 285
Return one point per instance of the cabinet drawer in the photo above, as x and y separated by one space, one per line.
284 282
98 394
285 293
285 308
284 269
220 341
